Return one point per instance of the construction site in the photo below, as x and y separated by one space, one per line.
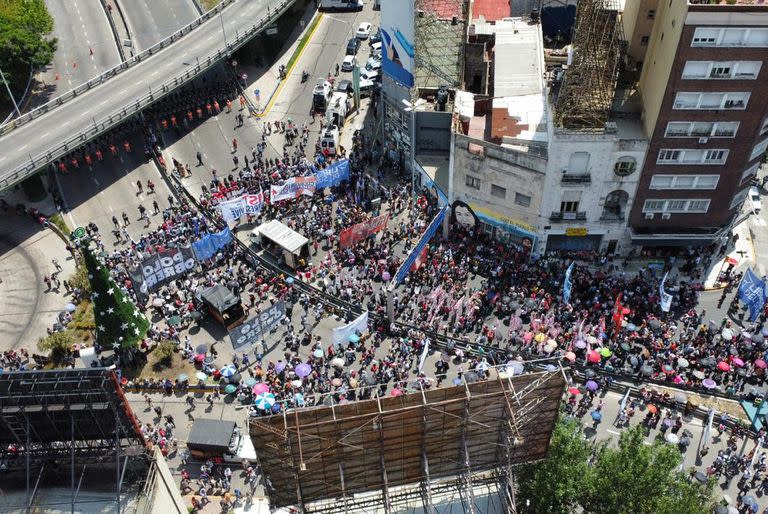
443 447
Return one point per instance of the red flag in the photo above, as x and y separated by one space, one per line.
618 316
419 260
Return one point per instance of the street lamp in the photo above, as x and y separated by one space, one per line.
15 105
221 17
411 108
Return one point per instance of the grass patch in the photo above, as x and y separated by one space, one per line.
303 42
209 4
58 220
157 368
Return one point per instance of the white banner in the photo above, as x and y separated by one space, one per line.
341 334
233 210
666 298
293 188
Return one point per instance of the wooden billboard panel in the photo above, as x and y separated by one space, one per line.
321 453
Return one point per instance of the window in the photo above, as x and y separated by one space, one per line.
739 198
625 166
569 206
472 182
759 149
721 70
764 127
644 41
735 101
578 163
651 14
722 36
749 172
691 156
725 129
498 191
680 206
522 200
684 181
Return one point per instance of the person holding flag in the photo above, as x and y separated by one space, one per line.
568 284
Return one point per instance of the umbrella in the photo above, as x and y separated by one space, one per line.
606 352
174 321
303 370
570 356
680 398
654 323
386 276
593 357
228 370
671 438
352 382
668 369
265 401
234 379
201 349
709 383
280 366
678 379
471 376
592 340
683 363
195 315
515 368
723 366
275 408
260 388
298 399
653 409
289 280
631 327
199 357
201 376
737 362
395 392
539 338
592 385
158 302
70 307
250 382
550 346
750 501
354 338
573 390
182 378
337 362
727 334
699 374
633 361
760 363
318 353
596 415
230 388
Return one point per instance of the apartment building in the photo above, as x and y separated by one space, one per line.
704 85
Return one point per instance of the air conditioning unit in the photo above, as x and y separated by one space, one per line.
703 140
649 216
666 216
611 127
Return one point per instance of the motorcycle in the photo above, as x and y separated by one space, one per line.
304 76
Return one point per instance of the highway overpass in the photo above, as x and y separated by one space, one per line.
38 138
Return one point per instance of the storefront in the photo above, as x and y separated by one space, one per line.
574 240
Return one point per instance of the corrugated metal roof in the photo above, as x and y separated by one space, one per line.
283 235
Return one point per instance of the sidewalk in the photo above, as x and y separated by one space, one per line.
742 255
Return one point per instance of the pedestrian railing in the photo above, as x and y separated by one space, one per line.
126 111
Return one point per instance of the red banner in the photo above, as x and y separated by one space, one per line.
356 233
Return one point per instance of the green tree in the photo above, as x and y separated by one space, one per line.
119 323
553 485
636 478
57 344
24 41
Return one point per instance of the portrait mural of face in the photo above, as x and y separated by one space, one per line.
462 214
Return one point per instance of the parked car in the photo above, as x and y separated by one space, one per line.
376 38
373 64
352 46
348 63
344 86
373 75
754 199
363 31
366 87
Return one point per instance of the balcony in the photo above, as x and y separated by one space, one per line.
611 216
557 216
572 178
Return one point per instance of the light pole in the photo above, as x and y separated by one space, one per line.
221 17
15 106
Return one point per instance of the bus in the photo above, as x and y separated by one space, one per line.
341 5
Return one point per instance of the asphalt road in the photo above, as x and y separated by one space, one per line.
151 21
213 138
46 132
80 26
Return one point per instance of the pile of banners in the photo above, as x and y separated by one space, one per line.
251 204
170 263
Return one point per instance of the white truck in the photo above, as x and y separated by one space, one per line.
338 107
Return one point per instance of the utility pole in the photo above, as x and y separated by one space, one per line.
15 105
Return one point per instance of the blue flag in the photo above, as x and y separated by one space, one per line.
405 267
752 292
567 284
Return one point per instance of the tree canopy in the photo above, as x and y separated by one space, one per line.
24 42
633 478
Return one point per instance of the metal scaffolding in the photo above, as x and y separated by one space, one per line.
410 447
585 96
440 35
62 426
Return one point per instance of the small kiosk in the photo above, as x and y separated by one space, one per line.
282 242
223 305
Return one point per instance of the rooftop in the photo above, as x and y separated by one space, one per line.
490 10
518 57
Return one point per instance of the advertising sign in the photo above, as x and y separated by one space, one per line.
252 330
397 40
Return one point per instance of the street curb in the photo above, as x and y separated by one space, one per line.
272 97
114 28
198 7
125 23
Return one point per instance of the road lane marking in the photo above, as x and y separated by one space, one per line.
122 91
613 432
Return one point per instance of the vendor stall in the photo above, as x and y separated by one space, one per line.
223 305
